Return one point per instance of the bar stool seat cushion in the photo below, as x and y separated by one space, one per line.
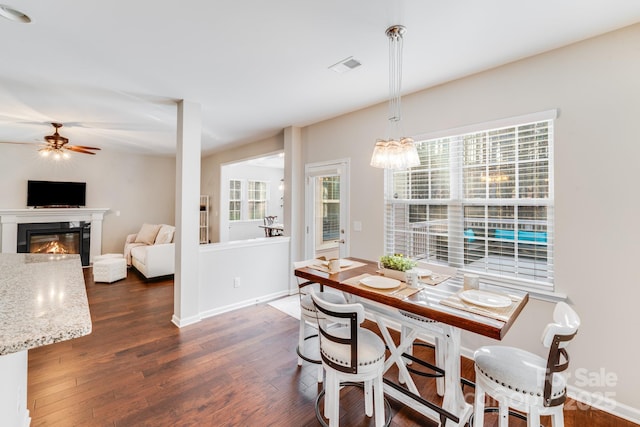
518 370
371 349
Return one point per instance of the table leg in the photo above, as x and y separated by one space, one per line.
453 397
453 401
396 353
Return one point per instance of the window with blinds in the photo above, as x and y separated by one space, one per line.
481 201
235 199
330 208
257 199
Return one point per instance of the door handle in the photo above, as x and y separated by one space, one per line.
339 241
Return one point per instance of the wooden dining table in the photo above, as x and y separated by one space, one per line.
426 305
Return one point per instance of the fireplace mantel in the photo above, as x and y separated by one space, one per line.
10 218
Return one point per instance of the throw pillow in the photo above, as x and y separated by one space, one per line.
147 234
165 235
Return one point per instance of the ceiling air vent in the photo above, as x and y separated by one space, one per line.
345 65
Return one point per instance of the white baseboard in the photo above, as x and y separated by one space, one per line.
180 323
603 403
242 304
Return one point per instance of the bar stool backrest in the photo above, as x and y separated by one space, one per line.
556 337
350 316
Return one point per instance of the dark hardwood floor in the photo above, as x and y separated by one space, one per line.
236 369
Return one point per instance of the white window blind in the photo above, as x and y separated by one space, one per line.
481 201
330 190
235 200
257 199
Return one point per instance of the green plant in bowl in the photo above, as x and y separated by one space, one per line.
397 262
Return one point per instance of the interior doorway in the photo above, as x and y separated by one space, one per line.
250 190
327 209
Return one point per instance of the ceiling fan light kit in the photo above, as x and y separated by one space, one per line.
56 153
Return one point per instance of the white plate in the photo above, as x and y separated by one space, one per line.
380 282
485 299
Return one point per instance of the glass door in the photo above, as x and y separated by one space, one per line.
327 210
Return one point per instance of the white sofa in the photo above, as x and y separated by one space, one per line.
151 250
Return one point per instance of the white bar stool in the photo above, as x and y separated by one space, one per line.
309 318
525 381
349 354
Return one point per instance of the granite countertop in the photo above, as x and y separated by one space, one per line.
42 300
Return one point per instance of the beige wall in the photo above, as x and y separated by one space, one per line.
141 188
210 183
595 86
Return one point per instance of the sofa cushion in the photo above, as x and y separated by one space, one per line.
139 253
147 234
165 234
127 250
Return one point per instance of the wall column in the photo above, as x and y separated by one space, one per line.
294 197
186 280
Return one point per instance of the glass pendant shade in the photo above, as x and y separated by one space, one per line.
395 152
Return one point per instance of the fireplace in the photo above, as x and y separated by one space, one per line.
10 219
72 237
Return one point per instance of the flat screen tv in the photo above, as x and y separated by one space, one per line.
49 194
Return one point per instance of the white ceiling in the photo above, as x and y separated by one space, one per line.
111 71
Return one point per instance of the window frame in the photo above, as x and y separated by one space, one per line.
250 200
326 203
456 199
245 201
232 200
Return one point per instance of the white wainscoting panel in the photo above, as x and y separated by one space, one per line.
242 273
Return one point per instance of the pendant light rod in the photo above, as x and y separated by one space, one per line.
397 152
395 34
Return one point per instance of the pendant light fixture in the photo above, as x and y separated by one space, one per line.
396 152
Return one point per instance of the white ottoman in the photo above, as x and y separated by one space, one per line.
109 270
106 256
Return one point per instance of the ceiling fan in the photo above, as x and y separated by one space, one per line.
57 145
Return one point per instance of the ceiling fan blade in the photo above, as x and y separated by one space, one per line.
78 150
86 148
20 143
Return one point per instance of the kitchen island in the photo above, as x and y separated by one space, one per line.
43 300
